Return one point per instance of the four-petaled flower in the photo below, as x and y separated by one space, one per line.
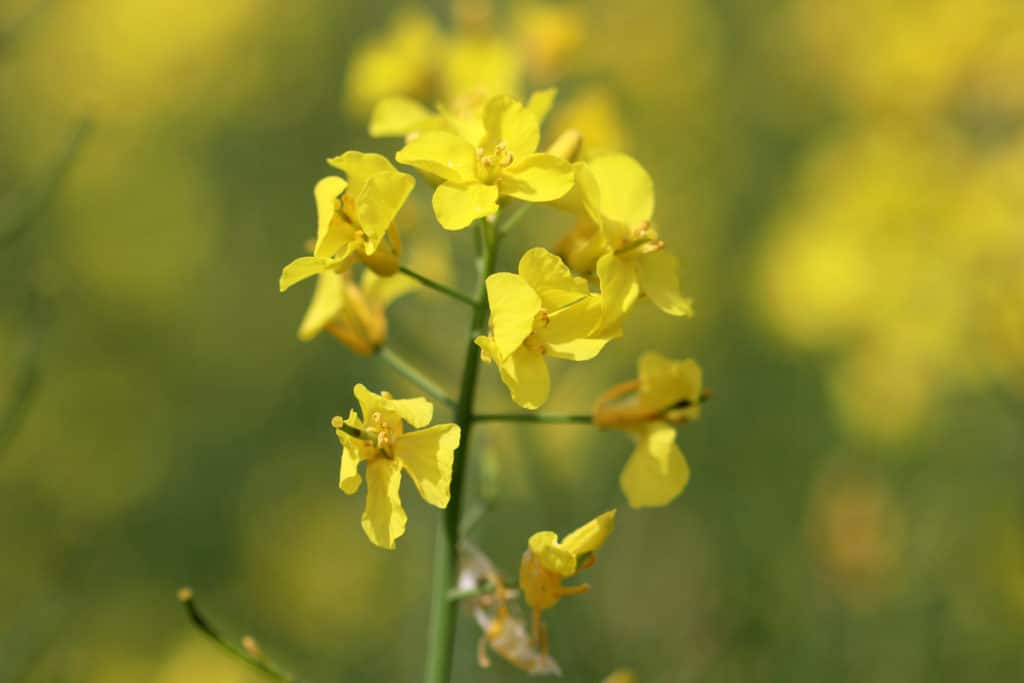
357 224
547 562
614 202
379 439
492 156
667 392
542 311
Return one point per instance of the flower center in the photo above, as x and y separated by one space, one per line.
381 433
641 239
491 164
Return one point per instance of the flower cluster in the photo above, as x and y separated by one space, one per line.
486 166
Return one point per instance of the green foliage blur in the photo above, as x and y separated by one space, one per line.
844 185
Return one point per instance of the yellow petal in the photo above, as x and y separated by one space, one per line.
514 305
427 456
526 375
584 199
508 121
568 334
418 412
665 382
369 402
551 555
302 268
540 103
550 278
382 291
537 178
620 286
383 518
327 302
591 536
397 116
459 203
627 191
337 241
325 194
442 154
659 279
349 479
378 203
656 472
359 167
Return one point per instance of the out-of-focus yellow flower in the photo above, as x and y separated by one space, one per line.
402 61
353 313
379 439
542 311
547 562
504 629
354 225
479 66
666 392
549 35
594 111
621 676
496 157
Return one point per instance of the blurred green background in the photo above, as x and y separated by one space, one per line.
844 185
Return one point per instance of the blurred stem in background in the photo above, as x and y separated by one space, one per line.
19 207
249 651
441 632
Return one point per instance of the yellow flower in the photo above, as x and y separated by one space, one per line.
355 225
542 311
379 439
667 392
549 35
353 313
547 562
495 157
401 61
618 240
504 629
620 676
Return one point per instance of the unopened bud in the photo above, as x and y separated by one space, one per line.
250 645
567 145
185 594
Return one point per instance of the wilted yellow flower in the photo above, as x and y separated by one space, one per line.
496 156
401 61
356 225
547 562
542 311
353 313
379 439
666 392
504 629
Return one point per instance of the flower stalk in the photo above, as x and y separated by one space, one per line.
438 287
443 612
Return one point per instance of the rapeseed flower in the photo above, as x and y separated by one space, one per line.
547 562
541 311
497 614
355 218
615 238
353 313
492 156
379 439
667 392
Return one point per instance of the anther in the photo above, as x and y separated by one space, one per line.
337 422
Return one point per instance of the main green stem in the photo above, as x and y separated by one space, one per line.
443 612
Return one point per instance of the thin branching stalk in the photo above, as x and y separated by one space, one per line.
438 287
249 652
544 418
411 373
